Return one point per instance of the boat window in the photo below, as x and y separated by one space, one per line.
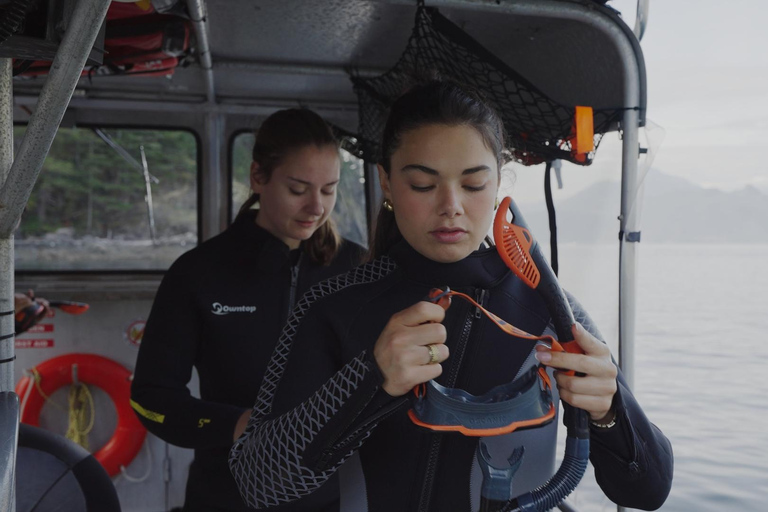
349 213
111 199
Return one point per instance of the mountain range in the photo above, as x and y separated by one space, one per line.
674 210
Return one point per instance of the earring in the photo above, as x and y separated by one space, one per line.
387 204
496 206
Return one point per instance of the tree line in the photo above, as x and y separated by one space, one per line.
91 189
87 186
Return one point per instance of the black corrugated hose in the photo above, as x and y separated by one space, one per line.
568 476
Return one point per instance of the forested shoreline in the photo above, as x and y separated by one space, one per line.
89 207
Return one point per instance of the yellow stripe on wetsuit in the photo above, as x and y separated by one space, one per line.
150 415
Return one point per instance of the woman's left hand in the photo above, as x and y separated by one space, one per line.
593 391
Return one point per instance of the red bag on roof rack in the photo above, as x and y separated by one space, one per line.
138 41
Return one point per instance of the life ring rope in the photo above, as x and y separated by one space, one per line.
139 479
34 376
99 371
82 414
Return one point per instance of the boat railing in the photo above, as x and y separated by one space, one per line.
9 429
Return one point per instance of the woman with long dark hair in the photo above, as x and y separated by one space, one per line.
339 381
221 306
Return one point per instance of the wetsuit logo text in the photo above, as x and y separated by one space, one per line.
219 309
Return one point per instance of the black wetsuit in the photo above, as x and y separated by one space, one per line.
329 402
220 308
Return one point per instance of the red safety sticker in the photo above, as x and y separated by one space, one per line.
40 328
34 344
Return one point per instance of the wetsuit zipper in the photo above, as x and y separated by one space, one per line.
436 442
633 465
294 285
380 416
480 299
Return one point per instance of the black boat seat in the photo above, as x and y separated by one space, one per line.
53 474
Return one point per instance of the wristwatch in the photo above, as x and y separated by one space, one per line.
605 425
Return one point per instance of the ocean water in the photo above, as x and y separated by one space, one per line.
701 366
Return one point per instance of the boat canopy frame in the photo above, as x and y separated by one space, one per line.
253 59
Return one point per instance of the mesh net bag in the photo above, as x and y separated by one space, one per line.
538 128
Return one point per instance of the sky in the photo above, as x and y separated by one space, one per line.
707 76
707 67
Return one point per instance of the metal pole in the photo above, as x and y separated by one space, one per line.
198 15
243 106
214 200
9 427
148 199
295 69
628 247
372 194
627 254
9 402
85 23
6 242
627 221
18 179
123 153
213 177
641 21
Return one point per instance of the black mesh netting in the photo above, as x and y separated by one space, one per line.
538 128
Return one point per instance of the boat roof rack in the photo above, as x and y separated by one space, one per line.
282 53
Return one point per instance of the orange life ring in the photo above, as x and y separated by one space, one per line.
106 374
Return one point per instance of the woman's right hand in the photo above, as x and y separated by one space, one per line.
242 423
402 350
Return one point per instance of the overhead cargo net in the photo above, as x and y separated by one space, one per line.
538 128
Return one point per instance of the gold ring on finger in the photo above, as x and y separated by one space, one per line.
432 354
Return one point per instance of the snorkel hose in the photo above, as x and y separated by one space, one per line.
523 256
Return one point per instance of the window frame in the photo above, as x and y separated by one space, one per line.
23 273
